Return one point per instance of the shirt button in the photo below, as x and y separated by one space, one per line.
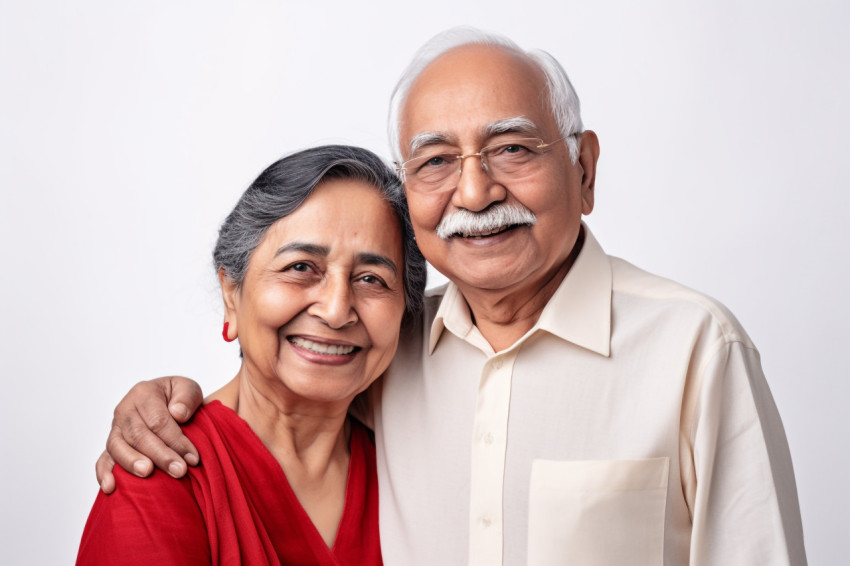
488 438
485 522
497 364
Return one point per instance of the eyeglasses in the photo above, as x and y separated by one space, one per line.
510 159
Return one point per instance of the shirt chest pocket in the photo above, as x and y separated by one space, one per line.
603 512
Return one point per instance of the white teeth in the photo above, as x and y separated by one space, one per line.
320 348
482 234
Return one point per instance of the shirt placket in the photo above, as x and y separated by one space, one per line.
489 447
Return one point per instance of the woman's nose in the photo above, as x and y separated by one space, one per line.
333 303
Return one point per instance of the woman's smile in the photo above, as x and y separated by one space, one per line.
323 351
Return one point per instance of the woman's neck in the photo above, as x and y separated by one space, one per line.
310 441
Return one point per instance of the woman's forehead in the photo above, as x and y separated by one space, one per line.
341 215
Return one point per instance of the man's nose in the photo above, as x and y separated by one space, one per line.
334 303
476 189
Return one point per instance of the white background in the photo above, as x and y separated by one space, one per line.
128 130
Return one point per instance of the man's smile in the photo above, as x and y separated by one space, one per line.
491 232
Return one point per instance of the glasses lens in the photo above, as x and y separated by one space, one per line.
510 158
430 172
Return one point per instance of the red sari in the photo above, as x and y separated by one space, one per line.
237 507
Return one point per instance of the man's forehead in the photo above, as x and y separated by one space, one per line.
477 90
491 57
484 67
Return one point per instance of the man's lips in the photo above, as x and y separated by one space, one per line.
491 232
322 348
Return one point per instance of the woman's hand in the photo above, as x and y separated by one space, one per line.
145 430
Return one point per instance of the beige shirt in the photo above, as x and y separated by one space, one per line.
632 425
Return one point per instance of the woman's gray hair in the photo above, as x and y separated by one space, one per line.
562 98
284 186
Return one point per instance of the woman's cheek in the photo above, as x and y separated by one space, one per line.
276 307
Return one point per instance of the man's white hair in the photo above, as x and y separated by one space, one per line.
563 100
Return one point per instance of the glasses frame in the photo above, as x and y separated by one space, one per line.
401 168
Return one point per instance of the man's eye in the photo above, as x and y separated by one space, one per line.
511 149
509 153
435 161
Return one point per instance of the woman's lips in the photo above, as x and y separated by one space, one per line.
322 348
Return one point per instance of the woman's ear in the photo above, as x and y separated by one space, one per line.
230 297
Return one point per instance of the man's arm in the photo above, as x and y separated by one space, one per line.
742 493
145 430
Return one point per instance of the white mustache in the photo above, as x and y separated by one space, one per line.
494 219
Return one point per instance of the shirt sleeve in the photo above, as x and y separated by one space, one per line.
145 521
742 495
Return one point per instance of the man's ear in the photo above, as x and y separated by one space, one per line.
230 297
587 157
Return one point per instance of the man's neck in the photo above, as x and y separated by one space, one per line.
505 316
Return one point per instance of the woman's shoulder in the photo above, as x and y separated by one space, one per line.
144 520
214 420
229 449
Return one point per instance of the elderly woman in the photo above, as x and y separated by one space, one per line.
317 267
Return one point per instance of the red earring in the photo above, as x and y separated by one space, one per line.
224 333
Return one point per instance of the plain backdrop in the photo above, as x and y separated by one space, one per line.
129 129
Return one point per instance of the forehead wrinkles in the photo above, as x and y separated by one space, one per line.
467 83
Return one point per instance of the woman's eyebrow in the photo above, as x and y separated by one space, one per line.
323 251
312 249
377 259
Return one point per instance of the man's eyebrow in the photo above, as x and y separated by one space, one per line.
515 125
424 139
377 259
312 249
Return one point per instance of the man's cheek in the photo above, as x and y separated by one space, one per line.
426 211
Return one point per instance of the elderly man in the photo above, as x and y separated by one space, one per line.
560 405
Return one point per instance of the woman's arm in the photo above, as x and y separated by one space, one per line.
153 521
145 430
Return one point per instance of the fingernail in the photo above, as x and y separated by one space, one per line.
140 468
191 459
175 469
182 410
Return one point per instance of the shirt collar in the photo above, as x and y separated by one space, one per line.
578 312
453 315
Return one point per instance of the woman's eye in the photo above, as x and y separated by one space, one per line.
373 280
300 267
